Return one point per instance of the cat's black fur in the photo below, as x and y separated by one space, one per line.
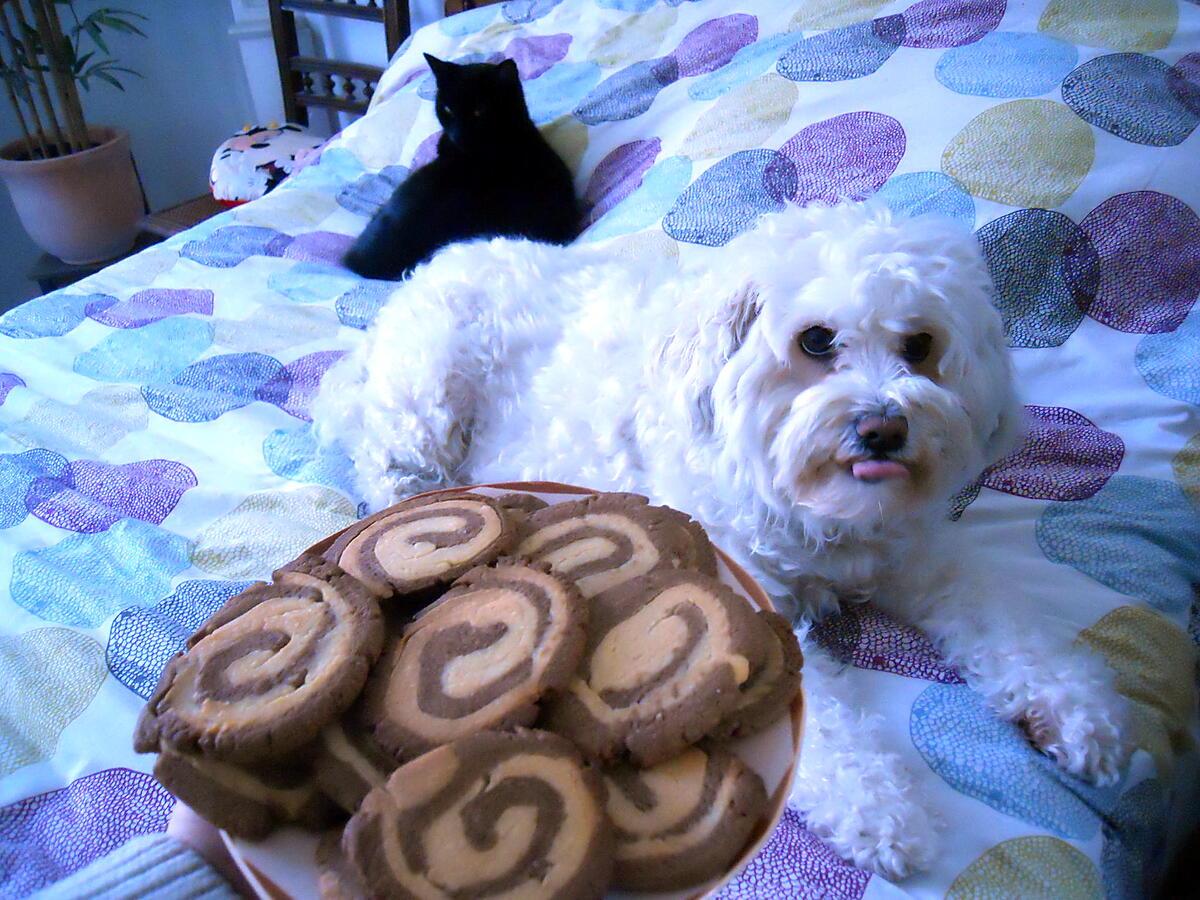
494 175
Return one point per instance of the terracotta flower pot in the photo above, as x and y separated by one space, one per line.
85 207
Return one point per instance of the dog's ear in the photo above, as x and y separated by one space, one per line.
732 320
692 358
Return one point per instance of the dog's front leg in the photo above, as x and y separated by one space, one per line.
1062 695
855 794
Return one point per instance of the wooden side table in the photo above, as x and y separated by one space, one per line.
50 273
182 216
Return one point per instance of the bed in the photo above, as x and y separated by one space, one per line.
156 451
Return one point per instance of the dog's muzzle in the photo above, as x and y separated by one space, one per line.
880 436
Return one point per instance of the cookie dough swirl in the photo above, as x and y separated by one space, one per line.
683 821
605 540
771 687
666 656
495 814
269 670
479 658
422 543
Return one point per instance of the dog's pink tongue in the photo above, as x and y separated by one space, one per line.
878 470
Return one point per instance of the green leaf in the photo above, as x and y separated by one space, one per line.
112 68
93 29
104 76
118 24
125 12
81 62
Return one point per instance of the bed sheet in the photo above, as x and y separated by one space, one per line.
156 450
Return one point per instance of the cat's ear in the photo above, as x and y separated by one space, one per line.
439 67
508 71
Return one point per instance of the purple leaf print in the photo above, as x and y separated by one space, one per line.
46 837
617 176
89 496
1064 456
950 23
797 864
151 305
1149 248
8 381
537 53
319 246
866 637
847 157
294 388
709 46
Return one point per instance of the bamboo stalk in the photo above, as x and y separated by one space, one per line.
42 137
64 81
12 96
40 82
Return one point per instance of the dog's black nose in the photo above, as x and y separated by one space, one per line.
882 434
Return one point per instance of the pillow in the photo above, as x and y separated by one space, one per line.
256 159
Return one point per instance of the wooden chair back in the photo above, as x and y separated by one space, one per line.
330 83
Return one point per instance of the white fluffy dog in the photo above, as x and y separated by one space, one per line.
813 393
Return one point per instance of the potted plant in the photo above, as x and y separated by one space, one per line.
73 185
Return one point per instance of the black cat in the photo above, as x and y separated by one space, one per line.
494 175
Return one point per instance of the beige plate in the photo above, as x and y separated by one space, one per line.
283 866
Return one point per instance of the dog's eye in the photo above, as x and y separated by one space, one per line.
916 347
816 341
447 111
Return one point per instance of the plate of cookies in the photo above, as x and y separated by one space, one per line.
518 690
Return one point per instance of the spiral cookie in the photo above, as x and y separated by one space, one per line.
349 762
683 821
246 802
422 543
269 670
607 539
666 655
481 657
494 814
771 687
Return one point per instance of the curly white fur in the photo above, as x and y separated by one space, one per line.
509 360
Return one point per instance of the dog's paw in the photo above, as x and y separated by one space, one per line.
867 810
1083 729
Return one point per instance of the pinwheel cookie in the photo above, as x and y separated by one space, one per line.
683 821
666 656
605 540
269 670
495 814
423 542
480 658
